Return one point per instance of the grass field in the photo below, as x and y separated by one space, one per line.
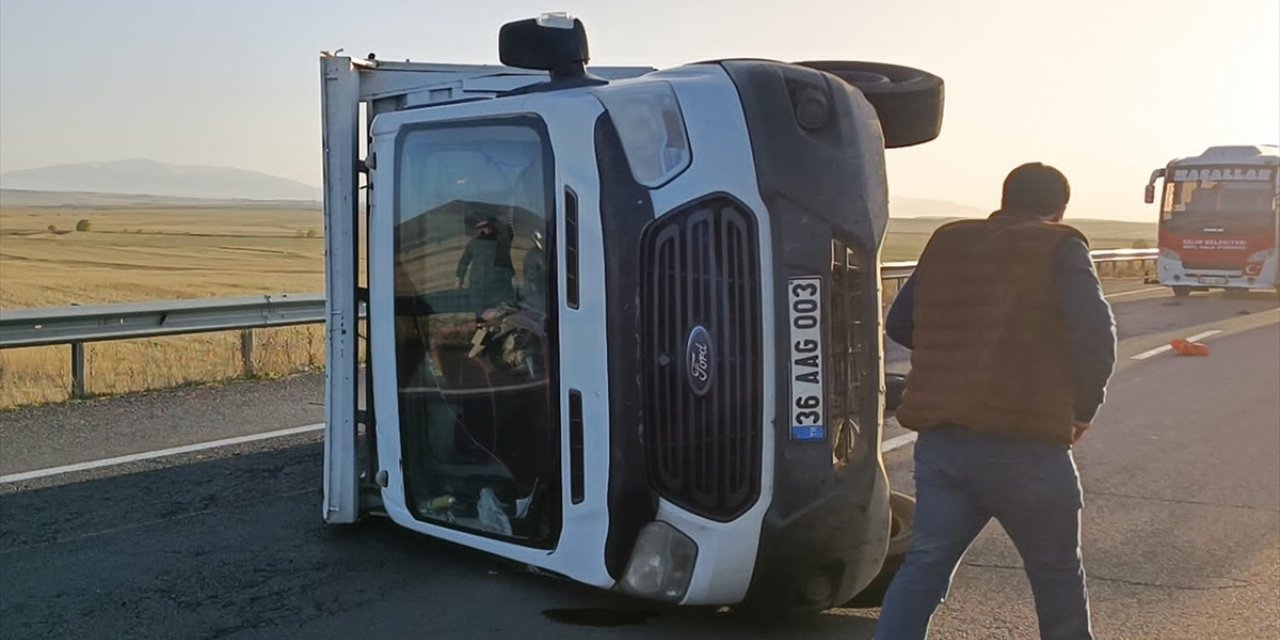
136 253
150 250
907 236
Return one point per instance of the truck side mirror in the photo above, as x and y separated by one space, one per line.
1151 194
554 42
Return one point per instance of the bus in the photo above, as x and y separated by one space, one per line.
1219 220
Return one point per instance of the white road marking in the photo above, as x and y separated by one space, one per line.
898 442
1122 294
160 453
889 445
1153 352
1159 350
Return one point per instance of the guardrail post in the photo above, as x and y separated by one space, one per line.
246 351
77 370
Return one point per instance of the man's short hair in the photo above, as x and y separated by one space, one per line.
1036 189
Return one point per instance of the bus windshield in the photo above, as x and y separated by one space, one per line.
474 339
1241 205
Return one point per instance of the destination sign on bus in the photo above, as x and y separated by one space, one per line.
1215 244
1221 175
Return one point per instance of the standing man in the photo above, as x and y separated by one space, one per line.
488 258
1012 347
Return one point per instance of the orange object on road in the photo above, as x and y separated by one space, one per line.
1184 348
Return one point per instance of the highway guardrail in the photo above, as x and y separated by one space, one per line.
77 325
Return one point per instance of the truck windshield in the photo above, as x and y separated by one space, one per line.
474 328
1239 205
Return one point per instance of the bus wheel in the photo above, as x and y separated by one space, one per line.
902 508
1181 292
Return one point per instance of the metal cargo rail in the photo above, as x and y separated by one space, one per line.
64 325
1106 260
77 325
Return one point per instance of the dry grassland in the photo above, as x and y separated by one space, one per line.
131 255
908 236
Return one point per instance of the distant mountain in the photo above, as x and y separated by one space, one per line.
928 208
147 177
139 202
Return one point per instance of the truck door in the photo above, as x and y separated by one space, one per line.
463 301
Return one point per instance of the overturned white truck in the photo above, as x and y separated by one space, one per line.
623 325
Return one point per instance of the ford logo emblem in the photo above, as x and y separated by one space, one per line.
699 360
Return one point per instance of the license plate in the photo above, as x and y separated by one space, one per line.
807 408
1212 280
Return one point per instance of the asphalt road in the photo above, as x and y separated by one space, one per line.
1182 517
1182 523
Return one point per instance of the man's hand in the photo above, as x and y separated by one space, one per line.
459 285
1077 430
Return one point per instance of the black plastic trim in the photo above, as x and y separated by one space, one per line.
623 216
571 248
577 489
817 183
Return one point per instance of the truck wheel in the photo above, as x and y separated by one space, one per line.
894 386
908 101
1181 292
902 508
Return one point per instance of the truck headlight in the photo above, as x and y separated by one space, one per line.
661 564
651 127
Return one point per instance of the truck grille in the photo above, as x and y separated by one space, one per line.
847 356
702 434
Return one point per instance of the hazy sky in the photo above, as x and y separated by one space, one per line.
1105 90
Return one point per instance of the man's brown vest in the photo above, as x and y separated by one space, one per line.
991 349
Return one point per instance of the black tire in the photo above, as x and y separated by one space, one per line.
908 101
902 508
1181 292
894 386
